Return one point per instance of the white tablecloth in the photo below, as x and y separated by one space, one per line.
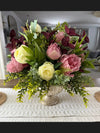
69 109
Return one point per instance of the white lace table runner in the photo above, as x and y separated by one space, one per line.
67 106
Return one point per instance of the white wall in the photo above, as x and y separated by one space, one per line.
93 35
3 51
18 20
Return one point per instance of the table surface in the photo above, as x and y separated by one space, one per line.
69 109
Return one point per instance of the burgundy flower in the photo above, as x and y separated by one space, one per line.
12 45
14 41
70 31
66 29
51 41
81 70
86 38
72 46
85 48
21 39
65 41
48 35
64 51
12 33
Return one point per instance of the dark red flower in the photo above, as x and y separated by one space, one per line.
11 46
21 39
70 31
52 32
65 41
85 48
15 41
51 41
12 33
81 70
66 29
48 35
72 46
86 38
64 51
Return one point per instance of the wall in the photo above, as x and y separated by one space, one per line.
93 37
3 50
18 20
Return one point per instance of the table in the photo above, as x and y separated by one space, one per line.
69 109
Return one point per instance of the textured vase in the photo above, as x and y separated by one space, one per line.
51 99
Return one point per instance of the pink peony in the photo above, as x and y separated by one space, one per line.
13 66
53 51
59 36
70 63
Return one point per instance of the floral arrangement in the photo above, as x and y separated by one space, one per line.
42 57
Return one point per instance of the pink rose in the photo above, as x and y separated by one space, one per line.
13 66
53 51
70 63
59 36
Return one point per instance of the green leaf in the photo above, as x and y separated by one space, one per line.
28 50
24 36
61 27
27 24
88 64
86 71
82 40
74 38
9 56
39 52
44 29
57 65
84 45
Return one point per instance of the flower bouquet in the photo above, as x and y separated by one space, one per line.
43 57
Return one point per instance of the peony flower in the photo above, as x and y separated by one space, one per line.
13 66
70 63
59 36
21 54
53 51
46 71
